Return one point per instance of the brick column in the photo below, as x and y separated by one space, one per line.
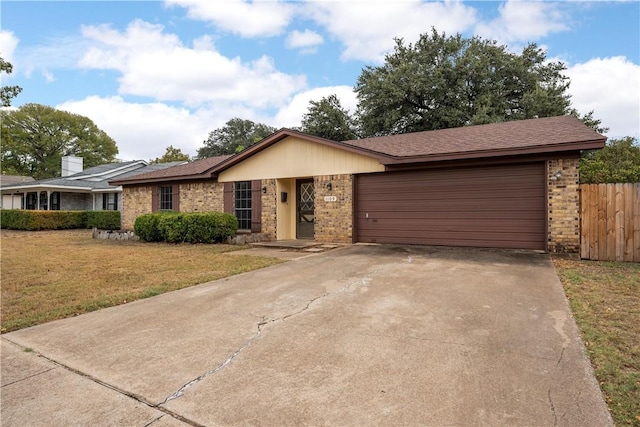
269 209
563 205
334 219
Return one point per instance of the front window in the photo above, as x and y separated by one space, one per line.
110 201
166 198
43 201
32 201
54 201
242 202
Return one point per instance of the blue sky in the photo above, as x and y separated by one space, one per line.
158 73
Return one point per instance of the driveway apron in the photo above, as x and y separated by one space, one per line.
360 335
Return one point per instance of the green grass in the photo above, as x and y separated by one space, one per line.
605 300
49 275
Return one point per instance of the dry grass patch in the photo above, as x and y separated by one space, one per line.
50 275
605 300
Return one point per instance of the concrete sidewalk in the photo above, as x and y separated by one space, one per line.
361 335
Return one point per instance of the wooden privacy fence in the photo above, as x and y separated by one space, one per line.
610 222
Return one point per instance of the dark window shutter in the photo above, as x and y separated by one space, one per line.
228 197
115 201
104 201
154 199
256 206
175 199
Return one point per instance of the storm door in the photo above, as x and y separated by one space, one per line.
306 208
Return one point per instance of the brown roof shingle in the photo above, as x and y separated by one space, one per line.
198 169
540 135
533 136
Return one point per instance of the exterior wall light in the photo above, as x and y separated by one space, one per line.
329 186
264 190
556 176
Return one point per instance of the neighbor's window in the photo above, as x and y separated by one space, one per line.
32 201
110 201
166 198
44 202
242 204
54 201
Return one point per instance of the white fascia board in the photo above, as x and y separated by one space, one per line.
61 188
117 189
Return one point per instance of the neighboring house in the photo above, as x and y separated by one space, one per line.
77 189
503 185
6 180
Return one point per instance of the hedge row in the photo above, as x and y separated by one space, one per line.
200 227
16 219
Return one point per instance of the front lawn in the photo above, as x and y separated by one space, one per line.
605 300
48 275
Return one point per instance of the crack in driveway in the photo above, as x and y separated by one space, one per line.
363 281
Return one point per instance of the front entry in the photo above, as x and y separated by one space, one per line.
305 209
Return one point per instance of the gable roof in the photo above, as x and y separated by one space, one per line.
521 137
533 136
199 169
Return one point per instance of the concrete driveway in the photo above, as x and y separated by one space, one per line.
360 335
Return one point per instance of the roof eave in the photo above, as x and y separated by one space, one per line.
540 149
155 180
39 187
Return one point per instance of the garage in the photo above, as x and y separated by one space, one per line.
484 206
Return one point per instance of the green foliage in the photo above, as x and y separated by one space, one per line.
7 93
617 162
35 138
146 227
42 220
103 220
235 136
17 219
589 120
200 227
172 155
327 119
444 82
172 228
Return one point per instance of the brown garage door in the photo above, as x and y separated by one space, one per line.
493 206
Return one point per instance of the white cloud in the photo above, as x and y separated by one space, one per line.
609 87
142 131
368 28
291 115
524 21
8 44
306 40
247 19
158 65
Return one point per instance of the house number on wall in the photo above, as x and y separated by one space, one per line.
330 198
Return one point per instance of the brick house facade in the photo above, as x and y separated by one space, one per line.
504 185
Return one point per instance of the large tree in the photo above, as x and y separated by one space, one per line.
618 161
444 82
7 92
172 154
233 137
35 137
326 118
